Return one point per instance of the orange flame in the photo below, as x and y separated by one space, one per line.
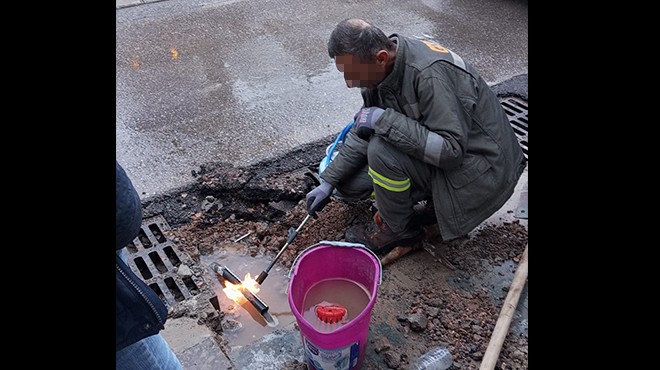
233 291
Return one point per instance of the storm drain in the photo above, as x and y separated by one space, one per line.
516 110
155 259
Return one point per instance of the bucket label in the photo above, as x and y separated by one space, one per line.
343 358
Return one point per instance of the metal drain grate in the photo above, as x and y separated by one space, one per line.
155 259
516 109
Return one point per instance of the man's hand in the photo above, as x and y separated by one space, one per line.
318 198
365 120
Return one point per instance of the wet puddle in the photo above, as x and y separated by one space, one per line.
243 323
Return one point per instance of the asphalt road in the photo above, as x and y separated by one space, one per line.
240 81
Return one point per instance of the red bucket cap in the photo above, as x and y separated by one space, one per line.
331 313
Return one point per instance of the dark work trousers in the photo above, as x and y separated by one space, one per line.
395 180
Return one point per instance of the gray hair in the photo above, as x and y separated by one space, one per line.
357 37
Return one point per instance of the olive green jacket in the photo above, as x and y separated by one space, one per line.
439 110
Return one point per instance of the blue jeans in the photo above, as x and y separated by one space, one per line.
150 353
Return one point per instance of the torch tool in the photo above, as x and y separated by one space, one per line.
228 275
292 235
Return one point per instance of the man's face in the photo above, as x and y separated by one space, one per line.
359 72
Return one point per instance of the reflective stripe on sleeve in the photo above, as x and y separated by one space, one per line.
433 148
457 59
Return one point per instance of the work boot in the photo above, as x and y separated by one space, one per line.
424 218
378 236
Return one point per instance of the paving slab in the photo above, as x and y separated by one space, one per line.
271 351
194 344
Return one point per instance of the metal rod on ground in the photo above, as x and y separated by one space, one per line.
292 235
506 314
242 237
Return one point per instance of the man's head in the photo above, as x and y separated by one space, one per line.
362 52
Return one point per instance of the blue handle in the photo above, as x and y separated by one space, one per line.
342 137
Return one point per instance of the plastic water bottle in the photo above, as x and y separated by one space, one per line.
437 358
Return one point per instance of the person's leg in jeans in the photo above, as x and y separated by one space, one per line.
150 353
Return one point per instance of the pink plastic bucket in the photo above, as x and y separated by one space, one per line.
343 348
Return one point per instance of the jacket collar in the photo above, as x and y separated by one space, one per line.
393 80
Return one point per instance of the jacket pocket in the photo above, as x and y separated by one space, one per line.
470 170
473 184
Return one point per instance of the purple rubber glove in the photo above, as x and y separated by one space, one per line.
318 198
365 120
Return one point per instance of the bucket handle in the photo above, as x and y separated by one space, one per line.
340 244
